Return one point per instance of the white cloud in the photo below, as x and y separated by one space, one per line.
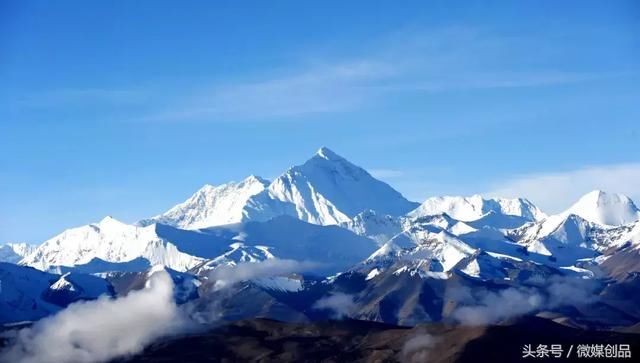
556 191
100 330
211 307
493 307
425 61
494 80
228 275
416 349
318 89
482 307
437 60
342 305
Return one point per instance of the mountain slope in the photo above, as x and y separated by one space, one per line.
239 253
380 228
326 190
622 259
211 205
333 248
427 250
112 241
566 238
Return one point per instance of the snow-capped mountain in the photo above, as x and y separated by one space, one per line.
239 253
433 246
326 190
112 241
14 252
430 246
111 245
592 225
252 221
396 261
211 205
605 208
475 207
564 238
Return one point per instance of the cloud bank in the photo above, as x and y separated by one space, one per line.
554 192
100 330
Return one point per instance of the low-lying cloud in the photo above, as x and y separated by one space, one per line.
483 307
416 348
100 330
227 275
341 305
211 307
495 306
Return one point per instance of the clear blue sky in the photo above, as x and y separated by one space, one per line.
125 108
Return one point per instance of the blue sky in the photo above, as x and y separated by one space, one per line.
125 108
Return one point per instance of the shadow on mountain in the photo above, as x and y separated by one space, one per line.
97 265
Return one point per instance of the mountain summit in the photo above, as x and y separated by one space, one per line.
325 153
326 189
211 205
605 208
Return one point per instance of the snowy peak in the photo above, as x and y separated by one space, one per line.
211 205
566 238
327 154
252 180
14 252
111 241
111 223
572 229
326 160
605 208
475 207
594 223
327 189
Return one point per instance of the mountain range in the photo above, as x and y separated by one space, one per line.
341 232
